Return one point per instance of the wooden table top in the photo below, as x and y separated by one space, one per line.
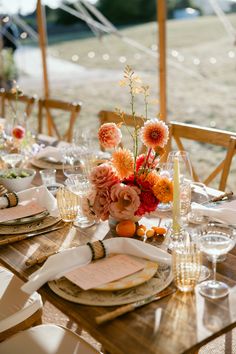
180 323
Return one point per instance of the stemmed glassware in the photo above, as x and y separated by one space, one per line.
79 185
185 167
215 241
12 159
72 164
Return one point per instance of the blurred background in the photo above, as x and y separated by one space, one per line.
86 60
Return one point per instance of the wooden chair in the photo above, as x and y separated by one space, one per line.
224 139
48 105
19 311
8 99
113 117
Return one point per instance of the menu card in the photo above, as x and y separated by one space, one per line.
20 211
104 271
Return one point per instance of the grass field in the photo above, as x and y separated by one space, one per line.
201 74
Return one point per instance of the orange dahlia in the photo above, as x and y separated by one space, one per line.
163 190
152 177
123 161
154 134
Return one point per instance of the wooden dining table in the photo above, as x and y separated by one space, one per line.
179 323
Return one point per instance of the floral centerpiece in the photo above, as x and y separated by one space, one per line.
129 185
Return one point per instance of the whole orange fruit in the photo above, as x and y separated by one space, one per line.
126 228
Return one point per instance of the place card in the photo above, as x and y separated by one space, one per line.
104 271
20 211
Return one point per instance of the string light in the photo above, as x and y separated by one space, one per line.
122 59
23 35
231 54
75 57
196 61
6 19
106 56
91 55
212 60
212 124
174 53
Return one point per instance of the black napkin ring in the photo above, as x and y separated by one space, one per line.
12 199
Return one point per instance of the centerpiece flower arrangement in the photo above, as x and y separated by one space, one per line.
129 185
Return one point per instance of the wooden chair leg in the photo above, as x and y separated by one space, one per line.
228 343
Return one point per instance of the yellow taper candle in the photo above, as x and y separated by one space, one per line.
176 197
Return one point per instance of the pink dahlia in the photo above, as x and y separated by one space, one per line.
101 204
154 134
109 135
124 201
103 176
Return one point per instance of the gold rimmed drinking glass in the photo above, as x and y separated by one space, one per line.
67 203
186 263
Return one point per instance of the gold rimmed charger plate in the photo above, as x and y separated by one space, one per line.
26 219
34 225
132 280
40 163
71 292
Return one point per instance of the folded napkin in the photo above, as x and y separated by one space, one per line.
223 213
51 151
61 263
40 195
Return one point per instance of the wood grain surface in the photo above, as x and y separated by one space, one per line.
180 323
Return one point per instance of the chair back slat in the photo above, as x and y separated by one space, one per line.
129 121
225 139
9 99
46 106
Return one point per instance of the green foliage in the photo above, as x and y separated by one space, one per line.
128 11
8 70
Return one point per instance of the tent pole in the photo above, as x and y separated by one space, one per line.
43 44
161 17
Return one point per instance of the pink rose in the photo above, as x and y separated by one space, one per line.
109 135
124 201
103 176
101 204
87 205
95 205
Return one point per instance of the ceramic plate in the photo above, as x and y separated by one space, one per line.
69 291
46 164
33 225
27 219
132 280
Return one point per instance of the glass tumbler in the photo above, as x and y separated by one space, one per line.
186 263
67 203
48 177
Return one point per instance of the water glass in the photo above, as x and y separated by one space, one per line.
186 263
79 185
185 197
48 177
67 203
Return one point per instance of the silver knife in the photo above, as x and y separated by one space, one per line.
130 307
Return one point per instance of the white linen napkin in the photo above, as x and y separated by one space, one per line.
50 151
61 263
225 214
40 194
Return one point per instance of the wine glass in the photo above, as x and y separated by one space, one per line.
185 167
79 185
71 162
215 242
12 159
200 196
